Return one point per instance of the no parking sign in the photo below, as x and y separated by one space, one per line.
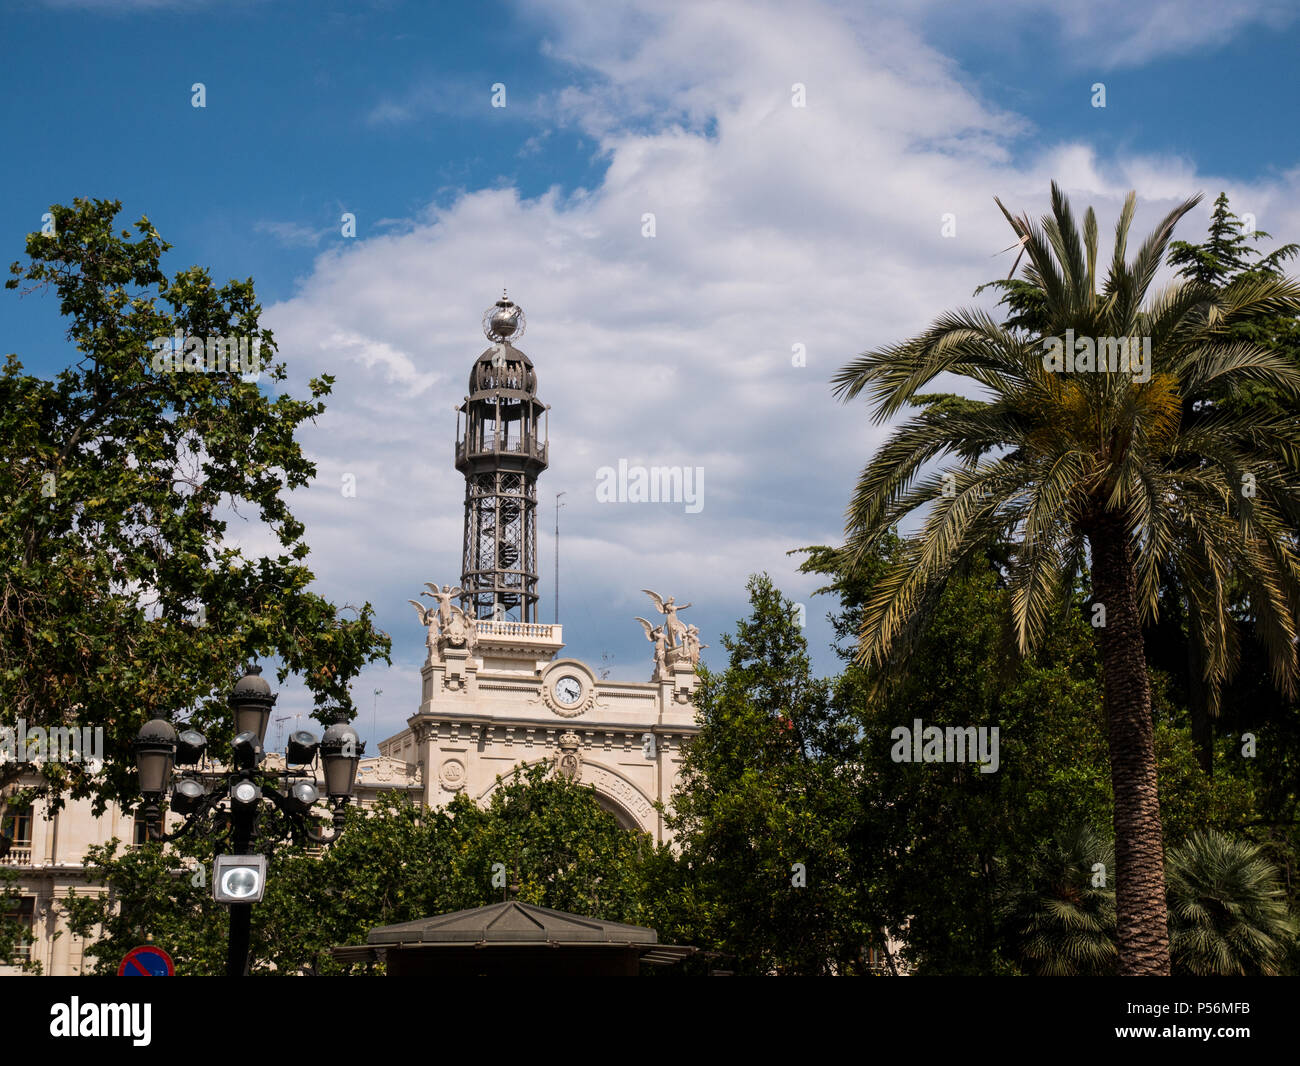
147 961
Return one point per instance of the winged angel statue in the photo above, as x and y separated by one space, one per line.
675 642
446 622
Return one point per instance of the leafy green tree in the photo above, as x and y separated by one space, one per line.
1223 259
1063 918
943 847
765 808
1227 909
395 862
944 843
120 597
1106 465
558 845
153 893
1247 705
1226 253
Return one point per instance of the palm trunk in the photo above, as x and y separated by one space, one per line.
1142 932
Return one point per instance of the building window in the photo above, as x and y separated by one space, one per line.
16 827
24 910
139 831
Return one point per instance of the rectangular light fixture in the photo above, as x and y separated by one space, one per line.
239 878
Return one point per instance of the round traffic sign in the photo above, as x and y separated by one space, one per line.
146 961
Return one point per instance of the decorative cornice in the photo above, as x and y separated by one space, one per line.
505 731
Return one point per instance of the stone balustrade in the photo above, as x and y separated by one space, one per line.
487 627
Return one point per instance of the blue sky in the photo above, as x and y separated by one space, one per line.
776 226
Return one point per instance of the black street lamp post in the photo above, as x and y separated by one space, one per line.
227 805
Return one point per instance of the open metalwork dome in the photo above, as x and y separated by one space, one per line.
503 369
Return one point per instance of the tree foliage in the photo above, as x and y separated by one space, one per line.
952 855
1110 462
1061 918
123 595
1228 909
764 812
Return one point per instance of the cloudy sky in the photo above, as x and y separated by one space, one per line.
782 234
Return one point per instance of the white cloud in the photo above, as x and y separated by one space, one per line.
776 226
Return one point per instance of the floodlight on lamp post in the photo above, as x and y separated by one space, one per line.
225 803
247 751
303 796
239 879
191 746
302 748
187 796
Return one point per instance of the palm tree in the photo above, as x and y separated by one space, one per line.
1227 909
1105 467
1063 918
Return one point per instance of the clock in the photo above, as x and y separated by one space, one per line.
567 690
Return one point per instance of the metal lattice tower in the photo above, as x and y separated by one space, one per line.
501 453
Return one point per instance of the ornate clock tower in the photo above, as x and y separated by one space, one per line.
501 452
495 693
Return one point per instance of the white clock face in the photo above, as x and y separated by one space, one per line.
568 690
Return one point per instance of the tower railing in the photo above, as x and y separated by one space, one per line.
490 627
496 446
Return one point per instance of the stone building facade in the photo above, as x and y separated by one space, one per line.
513 702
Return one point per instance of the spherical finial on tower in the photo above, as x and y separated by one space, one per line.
504 320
